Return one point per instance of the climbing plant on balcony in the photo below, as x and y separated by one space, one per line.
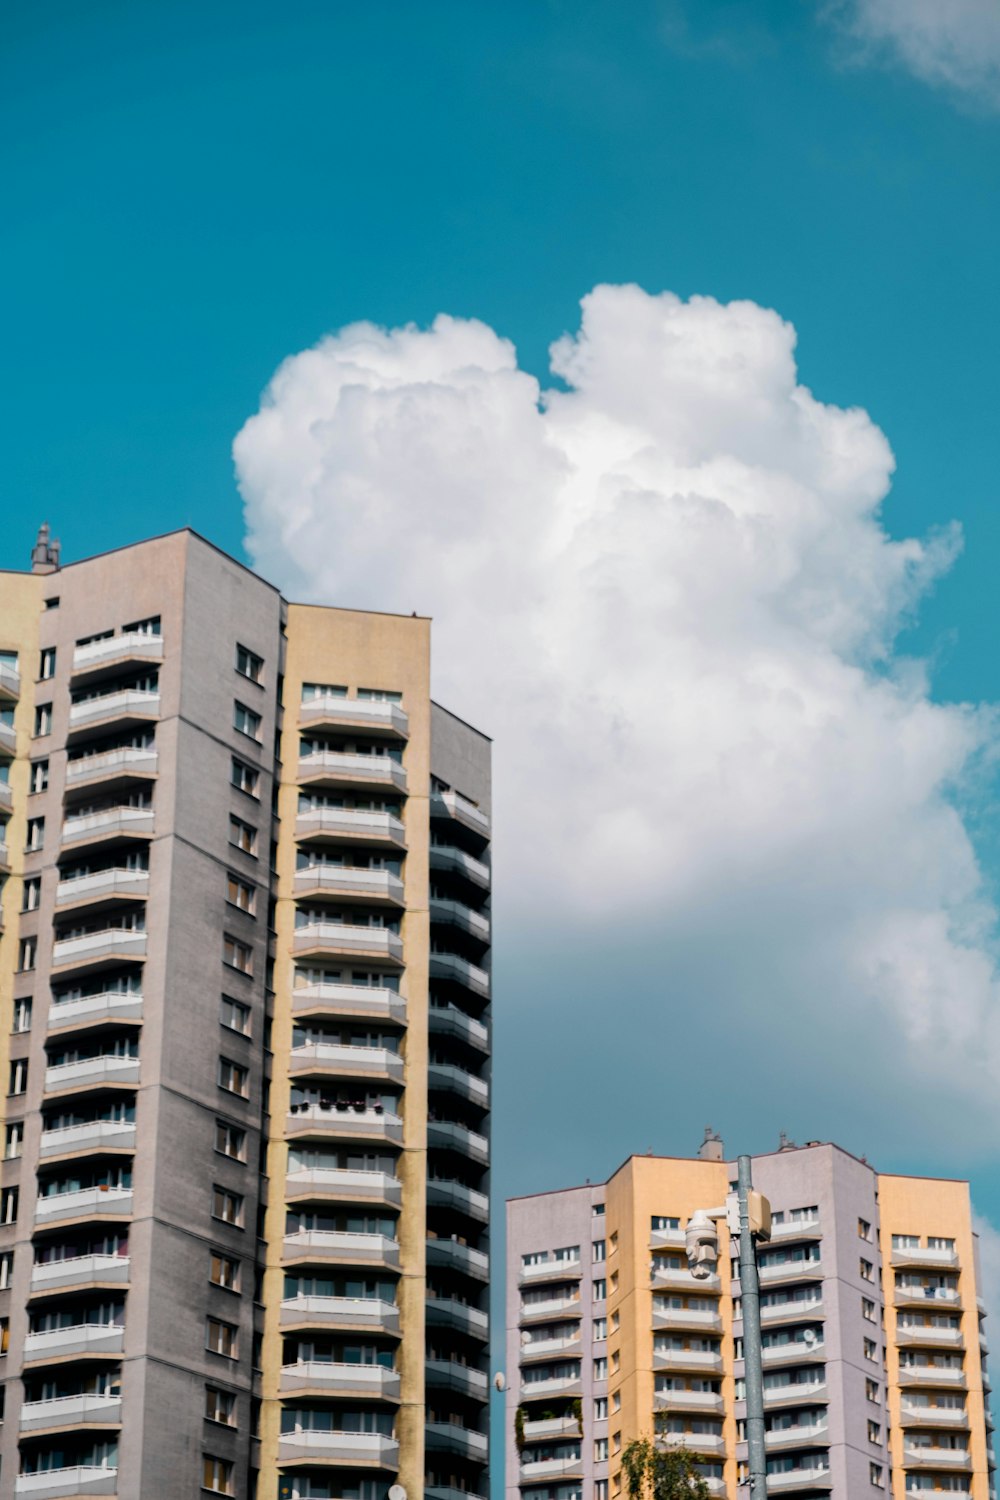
667 1474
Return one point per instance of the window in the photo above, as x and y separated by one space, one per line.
237 955
246 721
217 1475
4 1335
864 1230
600 1329
8 1205
13 1140
599 1250
874 1431
866 1269
616 1442
936 1242
870 1349
47 663
244 777
877 1475
18 1076
230 1140
43 720
233 1078
22 1015
601 1409
31 893
36 834
151 626
616 1361
235 1015
600 1489
597 1210
220 1406
616 1400
6 1270
600 1369
249 665
220 1338
311 690
906 1242
600 1450
224 1271
52 603
239 893
662 1221
39 781
27 953
868 1309
600 1290
871 1390
242 836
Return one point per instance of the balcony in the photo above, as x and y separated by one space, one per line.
8 739
551 1468
792 1481
112 945
336 768
350 825
548 1428
458 970
370 1002
349 883
699 1401
921 1257
347 1186
319 1120
94 1010
804 1436
698 1360
446 1135
91 1135
10 682
778 1313
323 1378
449 1375
549 1270
371 715
114 652
666 1239
130 706
556 1385
92 1072
79 1271
566 1345
442 1193
793 1352
109 768
6 797
543 1312
695 1319
348 1314
333 1247
4 857
921 1376
457 914
676 1279
108 824
71 1412
922 1296
82 1339
796 1270
57 1484
95 1202
933 1416
797 1229
447 1312
340 1061
450 1437
916 1456
459 809
921 1337
365 1450
456 862
338 940
103 885
705 1443
449 1078
448 1020
794 1393
455 1257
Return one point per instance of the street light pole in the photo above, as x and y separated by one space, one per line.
752 1355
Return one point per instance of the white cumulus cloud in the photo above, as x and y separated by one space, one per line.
953 44
662 584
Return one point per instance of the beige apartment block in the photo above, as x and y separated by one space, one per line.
874 1358
245 1011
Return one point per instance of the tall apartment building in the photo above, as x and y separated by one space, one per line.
874 1357
244 997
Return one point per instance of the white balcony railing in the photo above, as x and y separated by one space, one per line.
109 1005
452 966
347 824
91 1071
448 1020
372 1381
102 883
442 1193
10 680
360 1124
129 703
84 1203
340 1312
372 714
131 645
346 1183
378 943
366 1448
344 1061
353 770
124 942
453 805
80 1270
550 1270
6 796
70 1411
457 914
457 861
340 1247
8 738
80 1338
446 1134
131 821
89 1135
57 1484
457 1080
347 880
372 1001
128 760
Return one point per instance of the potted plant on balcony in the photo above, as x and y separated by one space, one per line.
668 1475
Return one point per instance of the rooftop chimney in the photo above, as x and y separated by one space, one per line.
711 1148
45 553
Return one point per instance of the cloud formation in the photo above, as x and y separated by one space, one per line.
954 44
663 586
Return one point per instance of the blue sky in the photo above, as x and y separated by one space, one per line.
195 192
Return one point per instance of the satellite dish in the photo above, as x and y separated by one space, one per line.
809 1336
397 1492
500 1380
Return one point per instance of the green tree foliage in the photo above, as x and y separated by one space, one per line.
667 1474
